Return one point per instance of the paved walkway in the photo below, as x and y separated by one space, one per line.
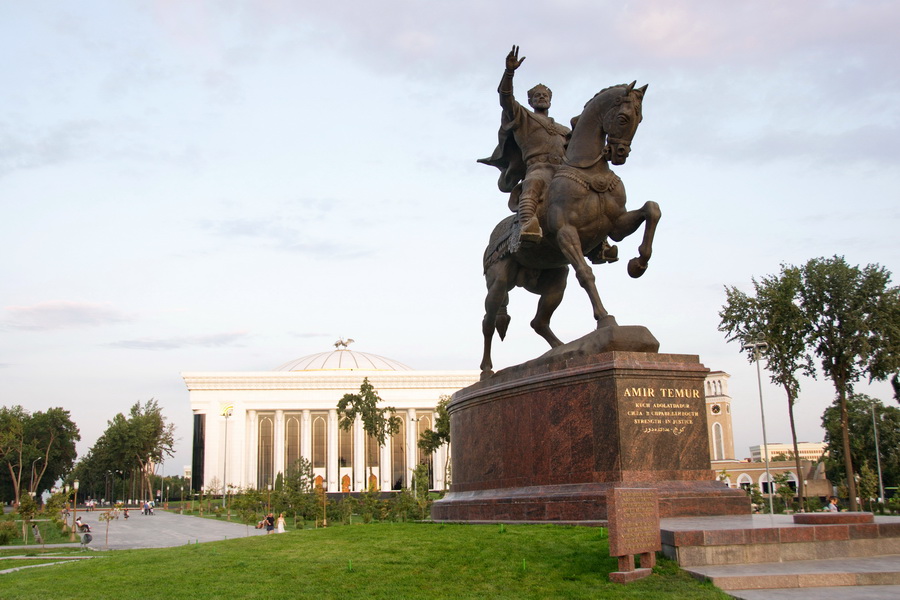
161 530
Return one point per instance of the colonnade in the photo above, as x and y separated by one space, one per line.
307 433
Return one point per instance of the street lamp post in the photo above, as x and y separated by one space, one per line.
74 511
226 412
758 346
877 456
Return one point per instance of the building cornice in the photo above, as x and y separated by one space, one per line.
318 380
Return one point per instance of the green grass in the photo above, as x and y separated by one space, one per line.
50 533
13 564
379 561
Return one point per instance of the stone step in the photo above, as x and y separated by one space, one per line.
836 572
864 592
773 538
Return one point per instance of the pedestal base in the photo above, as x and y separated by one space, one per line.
547 442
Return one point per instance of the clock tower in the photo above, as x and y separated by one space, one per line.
718 417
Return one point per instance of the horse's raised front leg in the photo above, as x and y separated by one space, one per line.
495 316
551 285
628 223
570 244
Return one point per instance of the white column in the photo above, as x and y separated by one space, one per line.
279 444
306 435
359 457
252 448
237 439
384 468
439 459
227 466
332 462
412 440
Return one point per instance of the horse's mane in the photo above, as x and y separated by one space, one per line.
620 85
574 119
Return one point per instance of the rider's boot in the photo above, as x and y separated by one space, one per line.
529 226
604 253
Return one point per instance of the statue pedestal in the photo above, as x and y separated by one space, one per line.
548 441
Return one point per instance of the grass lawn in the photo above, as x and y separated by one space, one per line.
386 560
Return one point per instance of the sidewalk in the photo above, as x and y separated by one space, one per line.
161 530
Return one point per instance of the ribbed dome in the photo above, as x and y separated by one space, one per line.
343 360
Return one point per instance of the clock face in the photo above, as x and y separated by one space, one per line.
716 409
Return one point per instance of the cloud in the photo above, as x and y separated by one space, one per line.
54 145
287 234
62 314
213 340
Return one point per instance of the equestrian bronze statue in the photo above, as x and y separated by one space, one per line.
567 200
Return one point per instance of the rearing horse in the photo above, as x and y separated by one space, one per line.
585 205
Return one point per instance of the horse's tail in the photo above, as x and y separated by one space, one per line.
498 246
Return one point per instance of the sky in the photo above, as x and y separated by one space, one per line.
230 185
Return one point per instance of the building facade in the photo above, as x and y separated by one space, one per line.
746 473
251 426
811 451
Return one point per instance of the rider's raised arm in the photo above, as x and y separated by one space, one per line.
507 101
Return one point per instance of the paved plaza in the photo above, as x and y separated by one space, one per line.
163 529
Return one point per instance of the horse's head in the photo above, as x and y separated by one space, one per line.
604 130
620 122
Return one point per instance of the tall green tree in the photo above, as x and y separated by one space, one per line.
36 449
854 317
432 439
53 434
773 314
862 439
378 422
136 443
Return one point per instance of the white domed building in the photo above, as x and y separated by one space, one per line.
275 417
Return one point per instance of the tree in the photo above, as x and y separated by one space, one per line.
862 438
854 319
54 434
35 448
784 490
136 443
774 315
378 423
27 509
432 439
868 485
12 444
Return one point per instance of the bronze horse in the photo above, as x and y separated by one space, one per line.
585 205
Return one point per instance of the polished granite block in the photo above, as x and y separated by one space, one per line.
547 441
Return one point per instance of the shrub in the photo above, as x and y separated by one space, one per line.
7 532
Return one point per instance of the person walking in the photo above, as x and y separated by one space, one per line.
280 524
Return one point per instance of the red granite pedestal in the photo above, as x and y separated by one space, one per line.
549 441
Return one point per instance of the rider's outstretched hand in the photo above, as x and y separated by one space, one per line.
512 59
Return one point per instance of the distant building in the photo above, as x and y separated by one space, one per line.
275 417
812 451
745 473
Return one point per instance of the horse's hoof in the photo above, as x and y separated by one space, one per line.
502 324
485 374
635 268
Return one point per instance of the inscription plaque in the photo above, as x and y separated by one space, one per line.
633 515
